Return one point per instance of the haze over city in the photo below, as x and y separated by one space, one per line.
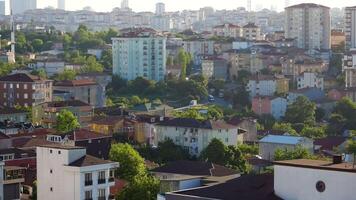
172 5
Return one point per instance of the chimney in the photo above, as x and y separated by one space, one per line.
337 159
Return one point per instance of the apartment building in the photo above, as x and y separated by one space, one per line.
309 24
20 6
265 85
349 67
67 172
251 32
310 80
275 106
350 27
194 135
228 30
24 90
139 52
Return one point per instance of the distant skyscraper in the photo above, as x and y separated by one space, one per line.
61 4
309 24
125 4
350 27
20 6
160 8
2 7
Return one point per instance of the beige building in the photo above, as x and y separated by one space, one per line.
237 61
227 30
251 32
309 24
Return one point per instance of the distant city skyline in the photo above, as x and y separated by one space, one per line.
171 5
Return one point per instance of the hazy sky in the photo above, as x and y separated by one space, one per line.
172 5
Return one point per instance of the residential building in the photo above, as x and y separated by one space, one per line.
275 106
13 115
46 114
125 4
249 125
349 67
220 69
317 179
330 144
61 4
2 10
265 85
140 52
20 6
313 94
310 80
161 23
238 60
194 135
183 175
52 67
160 8
24 90
310 24
251 32
338 38
59 165
350 27
13 178
87 91
270 143
107 125
228 30
196 48
295 66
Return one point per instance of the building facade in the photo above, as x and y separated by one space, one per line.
24 90
140 53
20 6
264 85
309 24
310 80
227 30
275 106
349 67
350 27
251 32
65 172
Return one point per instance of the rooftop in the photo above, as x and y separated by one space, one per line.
21 77
88 160
109 120
282 139
8 110
60 146
69 103
75 83
251 187
307 5
329 143
193 123
318 164
195 168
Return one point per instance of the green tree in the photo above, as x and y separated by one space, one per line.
131 163
183 62
301 111
106 59
168 151
37 45
67 74
297 153
286 127
351 148
91 65
214 152
347 109
141 187
66 121
336 125
135 100
235 159
34 191
313 132
39 72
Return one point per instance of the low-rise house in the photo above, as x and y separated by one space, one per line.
275 106
316 179
51 66
46 114
194 135
310 80
87 91
59 165
270 143
107 125
13 115
330 144
313 94
227 30
183 175
249 125
24 90
264 85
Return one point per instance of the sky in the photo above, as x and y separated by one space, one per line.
174 5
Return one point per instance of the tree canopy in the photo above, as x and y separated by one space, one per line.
301 111
66 121
297 153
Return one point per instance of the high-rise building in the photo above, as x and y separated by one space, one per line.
350 27
160 8
140 52
2 7
20 6
349 67
125 4
309 24
61 4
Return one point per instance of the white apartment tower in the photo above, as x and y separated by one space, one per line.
20 6
160 8
309 24
66 172
349 67
350 27
125 4
61 4
140 52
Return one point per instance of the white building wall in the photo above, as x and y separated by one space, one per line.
296 183
261 88
309 80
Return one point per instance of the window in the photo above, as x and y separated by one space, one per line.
101 193
88 194
50 151
51 189
11 86
25 86
25 96
17 86
88 179
4 85
59 152
50 171
101 177
320 186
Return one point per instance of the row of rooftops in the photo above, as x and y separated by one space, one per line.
248 25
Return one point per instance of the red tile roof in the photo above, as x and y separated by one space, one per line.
21 77
84 134
75 83
88 160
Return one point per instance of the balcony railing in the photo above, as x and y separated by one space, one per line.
88 183
101 181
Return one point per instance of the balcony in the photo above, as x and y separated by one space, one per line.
101 181
88 183
111 179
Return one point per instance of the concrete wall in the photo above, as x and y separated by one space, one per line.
294 183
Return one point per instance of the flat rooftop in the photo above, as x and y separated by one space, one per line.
318 164
59 146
